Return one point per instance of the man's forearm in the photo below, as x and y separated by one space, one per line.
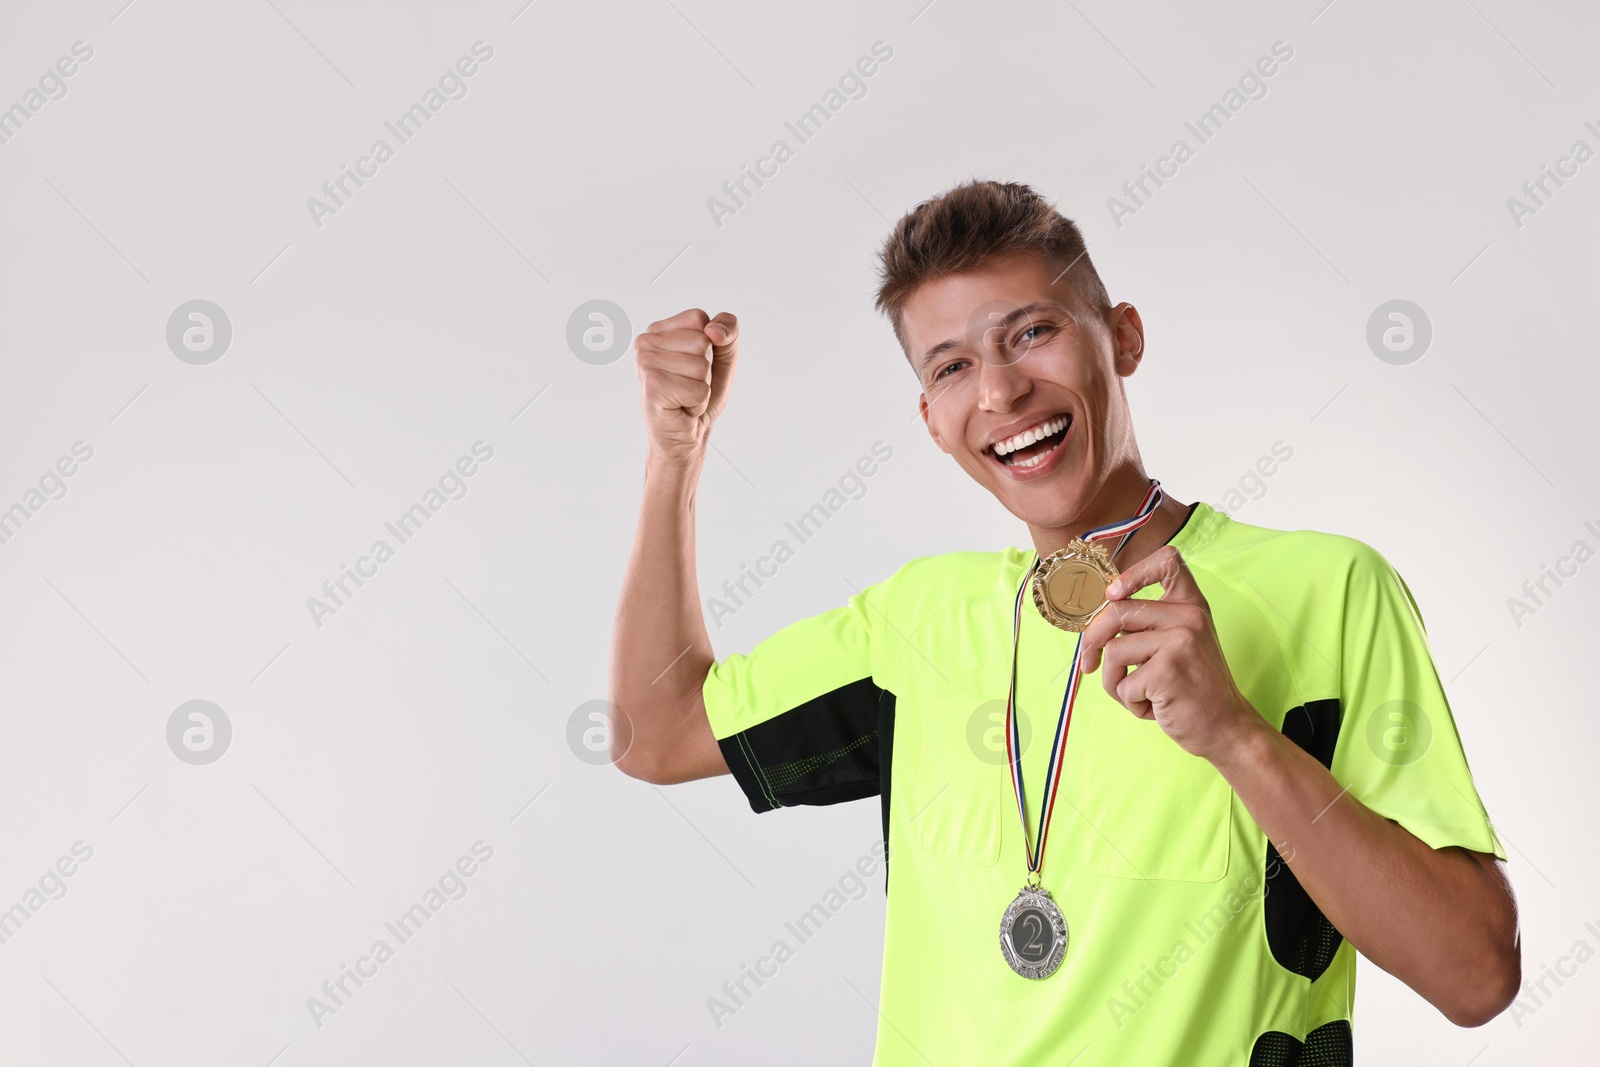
660 649
1440 920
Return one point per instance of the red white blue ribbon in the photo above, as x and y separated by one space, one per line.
1125 528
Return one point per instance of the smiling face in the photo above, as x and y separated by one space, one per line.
1022 385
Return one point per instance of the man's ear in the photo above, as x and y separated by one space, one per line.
1127 338
933 430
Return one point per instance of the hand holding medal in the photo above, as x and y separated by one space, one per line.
1182 681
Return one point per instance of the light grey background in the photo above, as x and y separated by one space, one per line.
432 710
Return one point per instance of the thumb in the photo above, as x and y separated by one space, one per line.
723 332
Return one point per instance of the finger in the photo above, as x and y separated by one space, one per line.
674 380
689 319
1131 616
676 340
673 391
1124 652
666 362
1165 566
1133 693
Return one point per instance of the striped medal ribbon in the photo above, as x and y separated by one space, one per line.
1033 933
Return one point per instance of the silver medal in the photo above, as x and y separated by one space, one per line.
1033 935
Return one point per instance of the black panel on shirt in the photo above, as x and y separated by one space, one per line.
1329 1045
824 751
1301 937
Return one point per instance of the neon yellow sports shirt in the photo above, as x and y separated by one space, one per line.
1189 940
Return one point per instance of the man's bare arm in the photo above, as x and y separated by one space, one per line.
1442 921
660 650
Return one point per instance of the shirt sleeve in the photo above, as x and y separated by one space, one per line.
1398 749
800 718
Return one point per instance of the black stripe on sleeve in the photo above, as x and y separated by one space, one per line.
824 751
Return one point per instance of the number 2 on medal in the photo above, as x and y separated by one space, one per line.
1034 947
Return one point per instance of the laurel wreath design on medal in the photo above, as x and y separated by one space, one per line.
1033 935
1069 587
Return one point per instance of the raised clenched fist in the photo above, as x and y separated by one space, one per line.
685 365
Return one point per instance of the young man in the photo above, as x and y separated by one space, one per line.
1266 780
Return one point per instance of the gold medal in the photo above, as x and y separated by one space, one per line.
1069 586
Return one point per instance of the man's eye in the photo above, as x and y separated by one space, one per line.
1027 335
948 367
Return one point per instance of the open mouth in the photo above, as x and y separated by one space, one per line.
1032 447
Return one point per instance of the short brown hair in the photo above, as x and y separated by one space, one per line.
972 224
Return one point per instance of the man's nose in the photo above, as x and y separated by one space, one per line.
1001 379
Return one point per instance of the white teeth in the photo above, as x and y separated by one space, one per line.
1028 437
